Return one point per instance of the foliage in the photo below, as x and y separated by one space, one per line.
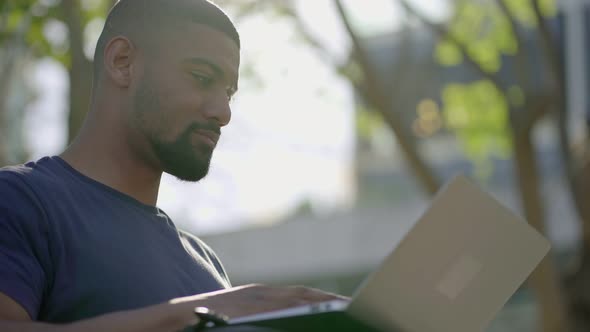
46 34
478 112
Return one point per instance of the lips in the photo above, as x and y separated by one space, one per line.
209 136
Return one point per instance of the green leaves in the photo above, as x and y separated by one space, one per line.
483 30
523 12
448 54
478 113
44 33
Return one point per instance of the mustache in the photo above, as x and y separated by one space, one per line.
209 126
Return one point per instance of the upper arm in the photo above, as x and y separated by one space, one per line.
24 254
11 310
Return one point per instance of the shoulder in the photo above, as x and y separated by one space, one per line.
26 176
20 188
205 252
15 185
14 174
25 256
36 179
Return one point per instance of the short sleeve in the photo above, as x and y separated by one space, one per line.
23 244
207 253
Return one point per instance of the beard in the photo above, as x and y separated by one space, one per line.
181 158
178 157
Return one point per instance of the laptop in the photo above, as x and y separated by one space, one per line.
452 272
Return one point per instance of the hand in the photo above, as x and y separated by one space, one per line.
253 299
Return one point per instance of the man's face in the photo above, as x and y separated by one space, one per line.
182 99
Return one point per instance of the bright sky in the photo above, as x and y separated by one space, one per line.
291 138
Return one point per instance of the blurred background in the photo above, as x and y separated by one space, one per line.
351 114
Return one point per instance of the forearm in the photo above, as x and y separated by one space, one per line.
158 318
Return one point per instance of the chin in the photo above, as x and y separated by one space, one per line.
188 177
189 171
182 161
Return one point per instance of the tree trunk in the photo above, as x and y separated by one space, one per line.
545 279
80 71
6 68
417 165
576 171
577 280
14 49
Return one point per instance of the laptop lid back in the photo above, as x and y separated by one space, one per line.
455 268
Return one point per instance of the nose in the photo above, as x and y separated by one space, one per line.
218 109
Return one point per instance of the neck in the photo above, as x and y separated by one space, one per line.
105 155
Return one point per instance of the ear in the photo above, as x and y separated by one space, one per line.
119 56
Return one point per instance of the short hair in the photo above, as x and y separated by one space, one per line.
133 18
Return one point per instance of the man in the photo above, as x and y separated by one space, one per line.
82 245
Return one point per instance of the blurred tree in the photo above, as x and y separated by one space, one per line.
380 98
79 66
363 76
61 30
493 115
78 19
501 110
14 23
489 114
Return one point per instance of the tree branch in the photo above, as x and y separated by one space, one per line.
443 32
4 11
524 68
309 37
80 71
370 77
558 72
378 99
549 46
402 67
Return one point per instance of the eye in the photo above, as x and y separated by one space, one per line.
203 79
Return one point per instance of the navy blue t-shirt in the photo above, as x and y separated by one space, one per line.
73 248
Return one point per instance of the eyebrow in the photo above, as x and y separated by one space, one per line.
214 67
